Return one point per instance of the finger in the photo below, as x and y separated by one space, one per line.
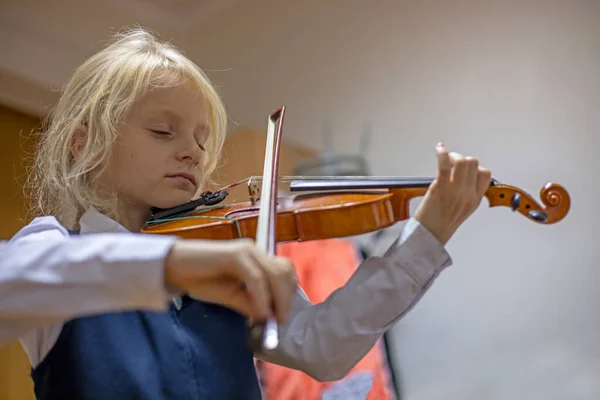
241 302
255 281
227 292
459 168
444 163
280 276
484 177
284 288
472 167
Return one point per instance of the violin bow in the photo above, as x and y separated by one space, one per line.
267 336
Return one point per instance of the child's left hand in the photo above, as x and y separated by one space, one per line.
454 195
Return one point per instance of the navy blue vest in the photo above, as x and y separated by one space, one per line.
197 352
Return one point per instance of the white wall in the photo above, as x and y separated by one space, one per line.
512 82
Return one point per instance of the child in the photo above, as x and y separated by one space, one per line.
140 126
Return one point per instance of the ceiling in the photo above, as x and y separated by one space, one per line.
41 42
173 14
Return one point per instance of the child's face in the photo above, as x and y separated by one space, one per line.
157 161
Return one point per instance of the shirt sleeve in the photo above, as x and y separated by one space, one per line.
326 340
47 276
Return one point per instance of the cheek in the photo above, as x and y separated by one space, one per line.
138 167
126 168
146 168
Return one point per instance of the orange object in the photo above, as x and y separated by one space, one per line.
331 214
323 266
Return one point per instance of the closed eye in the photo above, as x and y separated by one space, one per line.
165 133
160 132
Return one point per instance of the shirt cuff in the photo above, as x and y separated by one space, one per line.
419 252
141 266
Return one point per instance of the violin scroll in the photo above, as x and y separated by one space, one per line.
554 197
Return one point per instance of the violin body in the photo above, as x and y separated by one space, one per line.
299 218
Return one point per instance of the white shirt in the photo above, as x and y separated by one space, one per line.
48 277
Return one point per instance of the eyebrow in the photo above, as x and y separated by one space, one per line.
159 112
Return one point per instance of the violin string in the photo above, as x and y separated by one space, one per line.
232 185
259 178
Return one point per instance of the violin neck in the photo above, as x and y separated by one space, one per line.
357 183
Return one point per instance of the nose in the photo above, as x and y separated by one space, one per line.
190 152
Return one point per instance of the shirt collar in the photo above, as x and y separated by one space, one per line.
92 221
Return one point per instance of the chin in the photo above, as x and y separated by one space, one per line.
173 200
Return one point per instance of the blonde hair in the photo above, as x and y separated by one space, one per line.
98 95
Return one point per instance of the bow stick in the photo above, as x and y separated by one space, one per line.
267 336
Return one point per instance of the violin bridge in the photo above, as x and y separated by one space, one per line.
254 190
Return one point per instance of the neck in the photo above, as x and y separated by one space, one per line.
133 218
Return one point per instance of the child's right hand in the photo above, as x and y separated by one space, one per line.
235 274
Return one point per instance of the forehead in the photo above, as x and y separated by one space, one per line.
185 101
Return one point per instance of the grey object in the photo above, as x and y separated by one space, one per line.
332 163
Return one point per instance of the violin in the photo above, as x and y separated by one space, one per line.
334 207
323 207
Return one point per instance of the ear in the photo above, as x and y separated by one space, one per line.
78 140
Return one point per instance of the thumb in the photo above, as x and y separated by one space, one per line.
444 164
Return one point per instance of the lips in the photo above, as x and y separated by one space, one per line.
191 178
